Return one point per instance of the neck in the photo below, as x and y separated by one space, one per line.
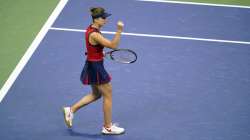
94 25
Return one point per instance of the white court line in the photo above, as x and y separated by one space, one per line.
197 3
159 36
4 90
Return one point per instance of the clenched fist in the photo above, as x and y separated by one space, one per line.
120 26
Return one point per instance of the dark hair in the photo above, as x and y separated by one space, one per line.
96 11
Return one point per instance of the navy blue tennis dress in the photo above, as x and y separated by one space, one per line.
93 72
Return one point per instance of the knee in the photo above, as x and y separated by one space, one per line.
108 92
107 95
98 96
105 90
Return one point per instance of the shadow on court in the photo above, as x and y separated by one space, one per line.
75 133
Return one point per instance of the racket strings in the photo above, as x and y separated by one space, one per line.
124 56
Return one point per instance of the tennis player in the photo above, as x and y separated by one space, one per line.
94 73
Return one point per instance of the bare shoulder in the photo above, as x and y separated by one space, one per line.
95 35
98 38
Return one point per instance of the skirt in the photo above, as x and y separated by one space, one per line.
94 73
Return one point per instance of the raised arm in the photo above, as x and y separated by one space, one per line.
97 38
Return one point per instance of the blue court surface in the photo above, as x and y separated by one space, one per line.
179 89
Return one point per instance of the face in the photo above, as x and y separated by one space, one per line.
101 21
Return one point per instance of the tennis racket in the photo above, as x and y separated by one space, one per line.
125 56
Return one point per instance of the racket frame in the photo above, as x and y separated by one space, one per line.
109 53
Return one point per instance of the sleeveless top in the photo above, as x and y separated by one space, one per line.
94 52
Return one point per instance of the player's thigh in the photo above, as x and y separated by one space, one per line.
95 90
105 89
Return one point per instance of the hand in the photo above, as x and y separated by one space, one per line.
120 25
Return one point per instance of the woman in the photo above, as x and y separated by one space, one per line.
94 73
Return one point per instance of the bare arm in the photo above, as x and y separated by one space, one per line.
113 44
